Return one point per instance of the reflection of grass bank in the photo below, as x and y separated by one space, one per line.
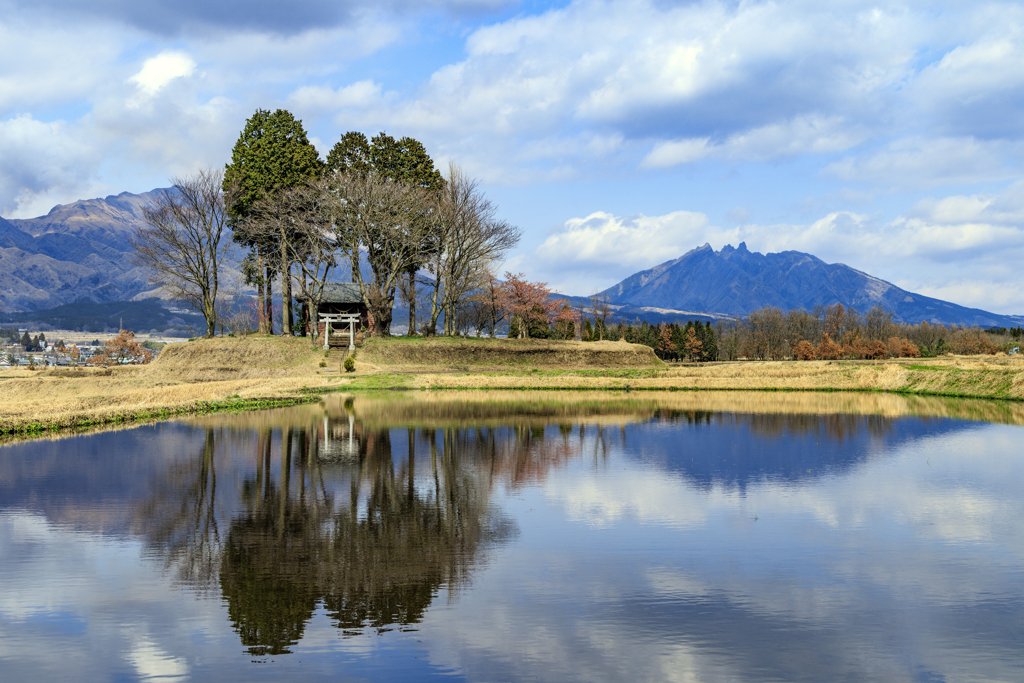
464 408
450 409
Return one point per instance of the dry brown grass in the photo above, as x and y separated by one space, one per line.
979 377
186 375
420 354
233 369
230 358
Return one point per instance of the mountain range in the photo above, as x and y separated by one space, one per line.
76 252
735 281
80 252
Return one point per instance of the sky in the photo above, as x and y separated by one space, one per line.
616 135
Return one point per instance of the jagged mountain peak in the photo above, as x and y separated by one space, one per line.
735 281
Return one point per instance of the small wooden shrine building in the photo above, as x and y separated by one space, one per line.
343 315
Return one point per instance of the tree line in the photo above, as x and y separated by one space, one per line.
838 332
299 219
826 333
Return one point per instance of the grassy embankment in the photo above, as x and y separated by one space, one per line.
244 373
470 364
187 378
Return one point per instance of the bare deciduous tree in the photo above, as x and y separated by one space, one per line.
601 308
183 245
468 239
385 218
304 213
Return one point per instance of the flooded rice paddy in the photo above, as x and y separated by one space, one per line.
518 537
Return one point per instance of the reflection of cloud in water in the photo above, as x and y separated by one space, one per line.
911 556
152 662
896 558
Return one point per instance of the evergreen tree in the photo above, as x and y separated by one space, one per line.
405 161
272 153
710 342
679 339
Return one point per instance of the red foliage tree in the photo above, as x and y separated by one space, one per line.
693 345
122 349
528 306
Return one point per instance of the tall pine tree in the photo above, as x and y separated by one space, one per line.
272 153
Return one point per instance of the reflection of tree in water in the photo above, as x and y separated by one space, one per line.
835 428
375 561
180 516
370 536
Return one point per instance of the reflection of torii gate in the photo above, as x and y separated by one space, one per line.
332 449
330 318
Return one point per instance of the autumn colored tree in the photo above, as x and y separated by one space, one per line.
565 321
122 349
828 349
833 323
902 348
666 347
528 306
970 342
804 350
488 301
878 350
693 345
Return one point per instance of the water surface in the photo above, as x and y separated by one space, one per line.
528 537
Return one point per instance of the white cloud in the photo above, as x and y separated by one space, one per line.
633 241
44 65
317 99
752 81
43 163
926 162
675 152
801 135
158 71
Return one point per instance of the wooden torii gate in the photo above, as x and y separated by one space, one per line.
330 318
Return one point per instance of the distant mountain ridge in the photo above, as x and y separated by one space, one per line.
734 282
76 252
81 252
